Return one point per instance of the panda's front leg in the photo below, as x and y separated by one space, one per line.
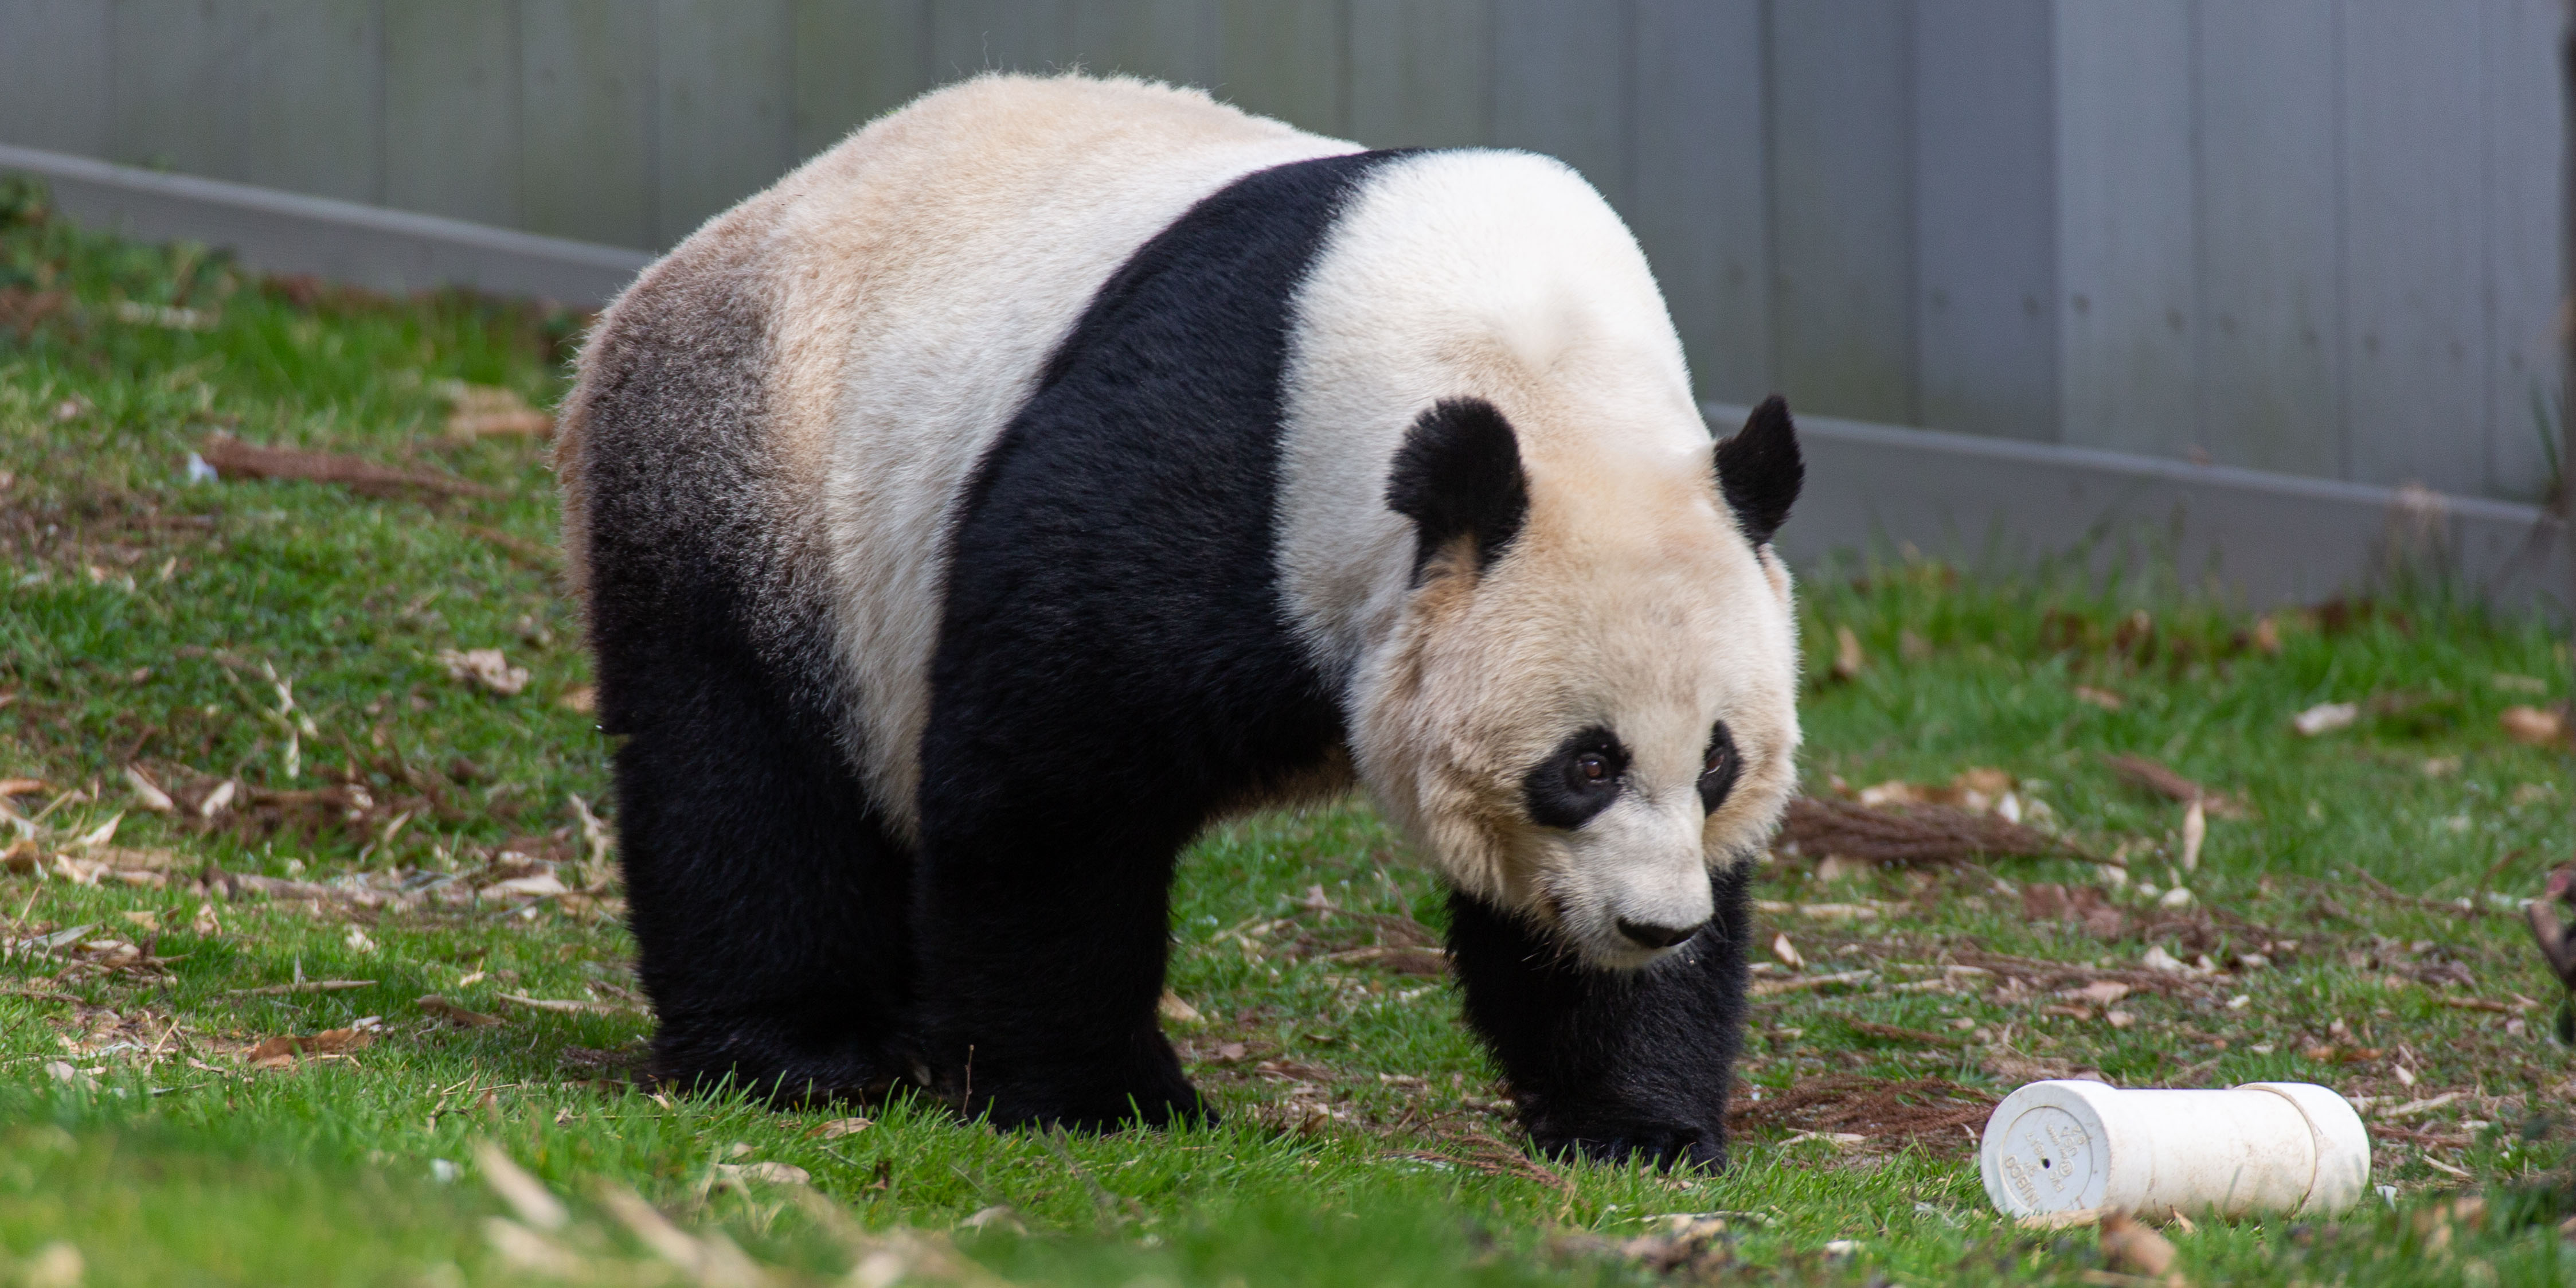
1607 1064
1043 941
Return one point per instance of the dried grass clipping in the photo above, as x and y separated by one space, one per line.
1914 834
233 458
1884 1112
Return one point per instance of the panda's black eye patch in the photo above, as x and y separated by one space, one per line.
1577 780
1719 768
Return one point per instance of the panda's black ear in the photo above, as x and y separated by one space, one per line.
1760 470
1459 474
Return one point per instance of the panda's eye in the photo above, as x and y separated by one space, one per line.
1719 769
1577 780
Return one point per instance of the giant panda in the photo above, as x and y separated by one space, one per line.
1059 464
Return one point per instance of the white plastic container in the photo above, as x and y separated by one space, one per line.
2262 1148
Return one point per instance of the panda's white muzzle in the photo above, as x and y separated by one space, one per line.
1637 883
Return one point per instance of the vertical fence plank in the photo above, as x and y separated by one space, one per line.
2415 254
1985 205
724 84
970 36
1842 206
54 75
1561 72
1284 58
2270 295
2127 249
855 60
452 109
586 77
1698 199
1165 40
2526 130
282 93
1422 72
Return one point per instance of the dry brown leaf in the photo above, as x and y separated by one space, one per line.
484 411
584 699
839 1127
1848 659
148 793
2132 1248
433 1004
2102 698
2534 726
2083 906
21 786
280 1052
484 668
1175 1011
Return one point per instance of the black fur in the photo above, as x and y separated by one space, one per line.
768 900
1558 793
1115 664
1606 1064
1760 470
1459 475
1719 768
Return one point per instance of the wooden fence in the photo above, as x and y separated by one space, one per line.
2312 236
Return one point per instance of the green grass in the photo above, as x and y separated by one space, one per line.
152 622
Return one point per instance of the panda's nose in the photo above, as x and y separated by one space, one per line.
1646 936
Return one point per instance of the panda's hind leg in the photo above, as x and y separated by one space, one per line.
767 896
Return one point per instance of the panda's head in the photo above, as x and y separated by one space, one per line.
1590 700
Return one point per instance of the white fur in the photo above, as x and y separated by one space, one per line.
1630 601
943 257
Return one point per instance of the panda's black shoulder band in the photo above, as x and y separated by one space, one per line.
1760 469
1459 474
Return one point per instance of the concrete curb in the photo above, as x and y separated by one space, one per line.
285 232
2263 539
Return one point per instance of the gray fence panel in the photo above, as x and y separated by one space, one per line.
1699 205
1422 72
1288 59
282 93
2414 238
970 36
723 106
2526 130
2126 250
451 101
855 61
54 74
2271 276
1842 206
1985 204
2308 235
587 90
1559 67
1174 40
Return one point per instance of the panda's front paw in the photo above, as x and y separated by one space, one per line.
1666 1146
1099 1109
